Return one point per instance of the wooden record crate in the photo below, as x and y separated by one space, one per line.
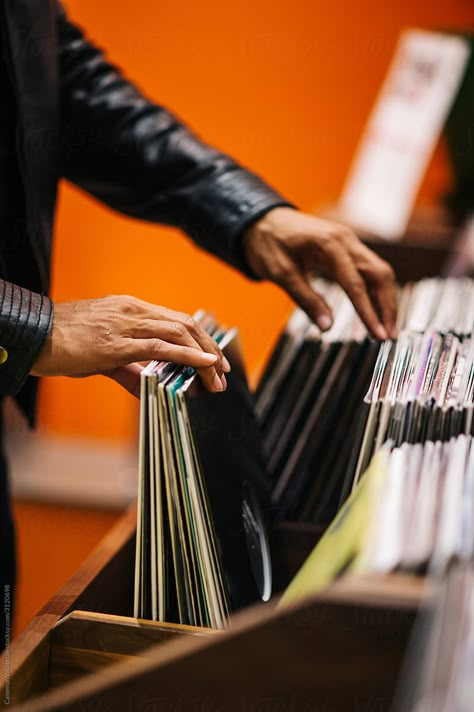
340 650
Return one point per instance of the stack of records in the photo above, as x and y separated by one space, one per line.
411 511
202 549
327 402
423 517
308 403
423 384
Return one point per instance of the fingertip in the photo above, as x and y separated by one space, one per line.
208 358
218 384
324 322
225 365
380 332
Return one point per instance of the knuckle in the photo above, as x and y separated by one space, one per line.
157 346
337 233
350 236
185 319
386 272
347 233
178 330
342 235
325 240
282 272
191 325
332 248
355 286
125 303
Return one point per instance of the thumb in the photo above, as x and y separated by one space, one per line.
128 377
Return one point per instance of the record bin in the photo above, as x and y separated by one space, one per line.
340 650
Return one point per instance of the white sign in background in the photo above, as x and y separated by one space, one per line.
402 131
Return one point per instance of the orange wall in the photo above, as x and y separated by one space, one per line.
52 542
283 86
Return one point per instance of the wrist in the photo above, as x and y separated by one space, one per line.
269 224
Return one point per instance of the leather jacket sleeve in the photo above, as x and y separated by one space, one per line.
25 322
139 159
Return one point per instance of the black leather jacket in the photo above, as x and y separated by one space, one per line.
66 112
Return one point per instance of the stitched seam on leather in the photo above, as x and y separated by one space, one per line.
34 346
8 323
17 336
3 299
18 332
7 333
28 360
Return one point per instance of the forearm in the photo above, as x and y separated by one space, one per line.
25 322
139 159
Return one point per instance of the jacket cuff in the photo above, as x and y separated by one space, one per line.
25 322
219 210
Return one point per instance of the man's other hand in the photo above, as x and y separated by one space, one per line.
289 247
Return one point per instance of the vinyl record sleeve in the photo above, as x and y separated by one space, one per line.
204 496
229 448
308 374
343 434
311 411
292 389
320 478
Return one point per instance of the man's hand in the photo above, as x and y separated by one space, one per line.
289 247
112 335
